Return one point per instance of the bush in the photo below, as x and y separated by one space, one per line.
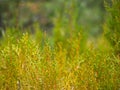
62 60
25 64
113 24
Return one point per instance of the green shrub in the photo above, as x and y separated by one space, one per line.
113 24
59 61
25 64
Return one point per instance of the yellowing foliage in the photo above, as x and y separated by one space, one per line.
25 65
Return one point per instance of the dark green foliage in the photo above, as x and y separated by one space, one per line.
113 34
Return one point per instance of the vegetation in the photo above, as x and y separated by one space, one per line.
113 24
66 59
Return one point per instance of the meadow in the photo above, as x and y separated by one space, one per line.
67 59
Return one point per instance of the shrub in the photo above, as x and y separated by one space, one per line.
113 24
25 64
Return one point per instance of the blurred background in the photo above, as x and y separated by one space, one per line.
52 14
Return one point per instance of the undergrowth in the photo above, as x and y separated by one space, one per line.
26 64
65 60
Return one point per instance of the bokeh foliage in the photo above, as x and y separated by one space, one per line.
113 24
